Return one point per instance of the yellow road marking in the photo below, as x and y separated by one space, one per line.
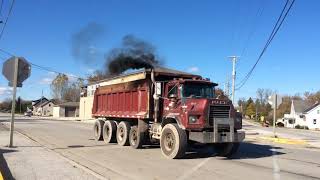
1 178
285 140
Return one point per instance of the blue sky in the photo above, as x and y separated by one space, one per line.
189 35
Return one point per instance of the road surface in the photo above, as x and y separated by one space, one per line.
255 160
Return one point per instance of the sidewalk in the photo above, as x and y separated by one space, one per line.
29 160
290 137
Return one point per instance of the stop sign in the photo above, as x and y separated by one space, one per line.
24 70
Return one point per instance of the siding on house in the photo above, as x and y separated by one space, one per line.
86 104
313 117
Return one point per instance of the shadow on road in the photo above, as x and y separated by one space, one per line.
246 151
6 173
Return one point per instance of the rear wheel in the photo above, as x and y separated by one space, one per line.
226 149
109 131
123 131
173 141
97 130
136 138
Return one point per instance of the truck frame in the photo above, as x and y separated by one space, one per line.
165 106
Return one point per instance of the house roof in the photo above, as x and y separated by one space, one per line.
38 101
300 105
311 107
69 104
44 103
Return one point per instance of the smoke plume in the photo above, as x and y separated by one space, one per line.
134 54
83 43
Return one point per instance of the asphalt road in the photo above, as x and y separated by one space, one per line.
255 160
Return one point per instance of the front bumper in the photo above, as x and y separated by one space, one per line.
208 137
218 137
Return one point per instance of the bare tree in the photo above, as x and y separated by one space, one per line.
260 95
59 86
73 91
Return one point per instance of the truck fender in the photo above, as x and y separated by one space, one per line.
172 119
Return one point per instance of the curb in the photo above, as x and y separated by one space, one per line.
285 140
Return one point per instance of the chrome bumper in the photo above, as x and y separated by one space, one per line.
216 136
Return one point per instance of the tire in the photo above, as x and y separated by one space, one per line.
136 138
226 149
109 132
97 130
173 141
123 132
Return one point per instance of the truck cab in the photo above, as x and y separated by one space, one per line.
193 105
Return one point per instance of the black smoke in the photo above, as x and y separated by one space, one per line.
83 43
134 53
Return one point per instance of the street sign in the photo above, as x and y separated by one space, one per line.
16 70
271 100
24 70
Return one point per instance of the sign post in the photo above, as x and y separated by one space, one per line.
275 100
13 107
274 115
16 70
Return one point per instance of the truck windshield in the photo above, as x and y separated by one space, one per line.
196 90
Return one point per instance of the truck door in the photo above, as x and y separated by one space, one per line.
172 101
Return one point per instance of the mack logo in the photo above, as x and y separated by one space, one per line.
218 102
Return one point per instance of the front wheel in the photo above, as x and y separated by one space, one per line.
226 149
173 141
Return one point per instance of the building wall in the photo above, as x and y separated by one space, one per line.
56 111
47 110
85 109
313 118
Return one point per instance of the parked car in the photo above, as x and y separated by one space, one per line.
28 113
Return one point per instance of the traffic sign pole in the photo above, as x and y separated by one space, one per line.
275 114
13 107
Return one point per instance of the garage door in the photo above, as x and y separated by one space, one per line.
70 112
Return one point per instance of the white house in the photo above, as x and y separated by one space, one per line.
43 107
312 116
296 116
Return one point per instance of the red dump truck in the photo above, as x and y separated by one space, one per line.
165 106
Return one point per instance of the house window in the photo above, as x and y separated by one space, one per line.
291 121
318 111
49 105
314 121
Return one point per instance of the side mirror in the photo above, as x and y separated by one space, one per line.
158 88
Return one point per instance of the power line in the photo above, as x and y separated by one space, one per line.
42 67
1 4
276 28
251 33
5 22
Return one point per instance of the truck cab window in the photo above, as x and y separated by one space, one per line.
173 91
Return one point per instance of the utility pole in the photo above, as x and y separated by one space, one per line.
234 61
41 101
227 87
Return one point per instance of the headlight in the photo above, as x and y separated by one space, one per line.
193 119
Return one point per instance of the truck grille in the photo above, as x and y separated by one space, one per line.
218 112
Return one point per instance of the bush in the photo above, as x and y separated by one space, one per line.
301 127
